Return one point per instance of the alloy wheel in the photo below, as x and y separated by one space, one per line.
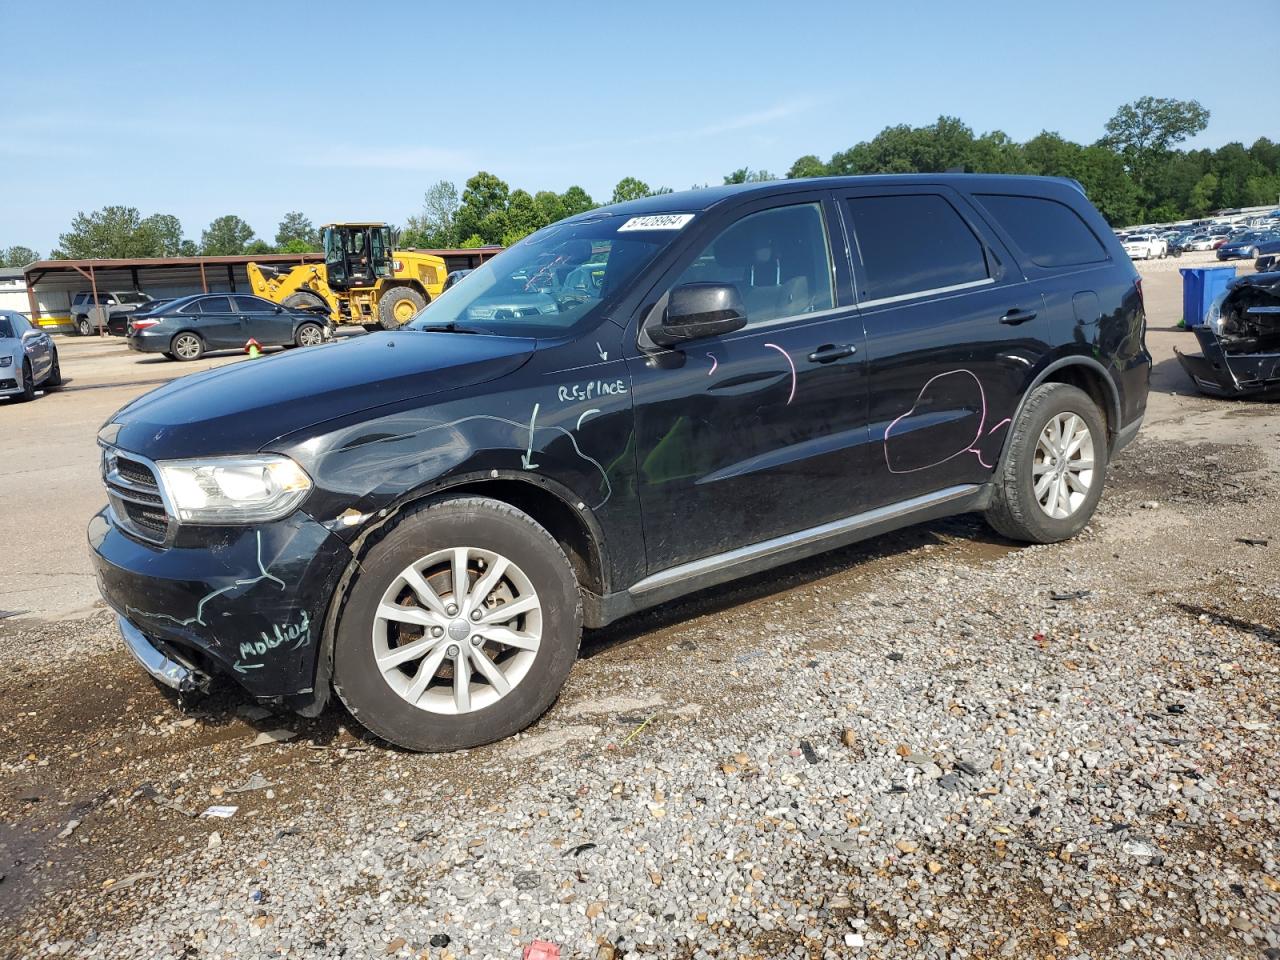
310 335
1062 470
187 346
457 630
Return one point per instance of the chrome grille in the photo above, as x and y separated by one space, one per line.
137 501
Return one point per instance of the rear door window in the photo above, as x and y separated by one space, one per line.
912 245
215 305
1050 233
253 305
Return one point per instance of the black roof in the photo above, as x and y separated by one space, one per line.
687 201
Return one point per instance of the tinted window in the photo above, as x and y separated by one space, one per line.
6 329
913 243
778 260
253 305
215 305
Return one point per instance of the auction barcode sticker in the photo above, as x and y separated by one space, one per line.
661 221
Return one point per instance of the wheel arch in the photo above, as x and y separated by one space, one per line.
413 283
1088 375
550 504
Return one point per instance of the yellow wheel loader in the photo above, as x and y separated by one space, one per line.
361 281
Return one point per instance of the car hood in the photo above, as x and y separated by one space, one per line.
242 407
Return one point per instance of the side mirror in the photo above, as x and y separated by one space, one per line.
279 309
697 310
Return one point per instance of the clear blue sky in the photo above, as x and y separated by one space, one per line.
349 111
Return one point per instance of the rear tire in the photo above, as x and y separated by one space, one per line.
398 305
418 702
1028 475
186 346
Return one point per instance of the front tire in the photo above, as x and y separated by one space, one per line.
187 346
398 305
426 655
83 326
1051 478
28 383
55 373
308 335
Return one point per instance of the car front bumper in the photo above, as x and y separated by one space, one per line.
246 602
1221 374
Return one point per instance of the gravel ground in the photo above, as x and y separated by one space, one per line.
935 744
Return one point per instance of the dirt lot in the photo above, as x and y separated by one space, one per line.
750 772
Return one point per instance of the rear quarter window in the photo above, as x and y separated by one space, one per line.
1050 233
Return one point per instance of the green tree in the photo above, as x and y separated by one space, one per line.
747 175
297 234
167 231
472 242
522 217
629 188
1204 195
256 246
1144 131
227 236
483 208
113 231
17 256
576 201
807 166
550 207
435 226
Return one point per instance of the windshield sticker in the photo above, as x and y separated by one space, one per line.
662 221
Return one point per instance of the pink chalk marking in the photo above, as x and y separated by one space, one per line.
714 363
792 365
1003 423
969 448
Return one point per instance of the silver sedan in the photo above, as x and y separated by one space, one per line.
28 358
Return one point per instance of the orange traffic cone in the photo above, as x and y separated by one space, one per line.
253 348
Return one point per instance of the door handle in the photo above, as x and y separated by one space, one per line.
1016 316
831 352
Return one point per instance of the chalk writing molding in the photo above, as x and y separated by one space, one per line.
297 635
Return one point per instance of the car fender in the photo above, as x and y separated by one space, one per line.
1047 371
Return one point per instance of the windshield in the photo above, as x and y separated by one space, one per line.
553 280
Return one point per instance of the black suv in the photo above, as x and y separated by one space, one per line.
629 405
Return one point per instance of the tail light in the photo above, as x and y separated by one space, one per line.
136 325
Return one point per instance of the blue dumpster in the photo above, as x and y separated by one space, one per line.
1199 286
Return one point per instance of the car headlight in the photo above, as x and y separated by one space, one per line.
234 489
1213 316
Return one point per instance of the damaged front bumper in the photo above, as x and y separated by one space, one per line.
1220 373
248 602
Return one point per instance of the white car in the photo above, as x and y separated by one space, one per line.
1145 246
1201 241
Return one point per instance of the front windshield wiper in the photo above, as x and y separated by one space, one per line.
448 328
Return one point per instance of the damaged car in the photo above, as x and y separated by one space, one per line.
1239 340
